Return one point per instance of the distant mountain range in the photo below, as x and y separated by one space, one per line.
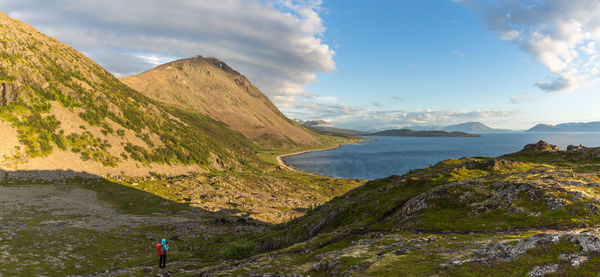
478 127
467 127
413 133
470 127
473 127
326 126
568 127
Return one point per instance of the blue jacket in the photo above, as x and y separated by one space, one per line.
164 245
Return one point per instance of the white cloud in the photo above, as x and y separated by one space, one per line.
562 35
525 97
277 44
361 118
152 59
458 53
509 34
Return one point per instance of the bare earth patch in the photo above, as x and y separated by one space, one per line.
67 207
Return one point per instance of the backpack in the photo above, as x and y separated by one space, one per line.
159 249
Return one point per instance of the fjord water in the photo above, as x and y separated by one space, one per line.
397 155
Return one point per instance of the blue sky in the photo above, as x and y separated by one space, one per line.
360 64
439 55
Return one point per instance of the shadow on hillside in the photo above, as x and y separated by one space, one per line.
124 198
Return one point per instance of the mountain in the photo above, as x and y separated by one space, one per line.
59 110
467 127
567 127
472 127
328 127
412 133
543 128
211 87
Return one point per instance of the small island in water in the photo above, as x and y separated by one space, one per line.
413 133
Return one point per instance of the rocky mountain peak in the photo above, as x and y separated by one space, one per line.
213 88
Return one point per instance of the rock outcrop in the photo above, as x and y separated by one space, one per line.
540 146
8 93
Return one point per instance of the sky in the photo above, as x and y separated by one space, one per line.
360 64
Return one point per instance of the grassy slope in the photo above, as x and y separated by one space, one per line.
246 192
229 235
366 231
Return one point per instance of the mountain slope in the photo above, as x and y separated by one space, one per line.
209 86
542 128
61 110
523 214
567 127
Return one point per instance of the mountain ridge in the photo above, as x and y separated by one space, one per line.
593 126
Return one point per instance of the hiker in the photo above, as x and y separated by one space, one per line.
161 250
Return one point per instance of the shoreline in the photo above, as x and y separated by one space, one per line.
284 165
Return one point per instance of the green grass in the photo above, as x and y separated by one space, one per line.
239 250
128 199
50 251
416 264
447 214
91 251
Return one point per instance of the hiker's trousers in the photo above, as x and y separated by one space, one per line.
162 261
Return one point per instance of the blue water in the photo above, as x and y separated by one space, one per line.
397 155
